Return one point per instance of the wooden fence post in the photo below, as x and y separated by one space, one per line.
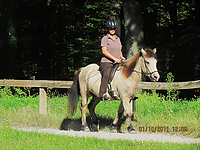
43 102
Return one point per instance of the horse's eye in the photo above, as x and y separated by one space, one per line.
147 62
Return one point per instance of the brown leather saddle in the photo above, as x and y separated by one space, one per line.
112 73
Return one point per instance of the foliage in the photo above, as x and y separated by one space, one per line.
171 94
51 39
9 92
172 27
55 39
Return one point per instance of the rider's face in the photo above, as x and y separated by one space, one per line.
112 31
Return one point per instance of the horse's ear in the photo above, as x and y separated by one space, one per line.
143 52
155 50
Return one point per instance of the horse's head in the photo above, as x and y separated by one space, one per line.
149 63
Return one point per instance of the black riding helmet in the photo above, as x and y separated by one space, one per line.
111 24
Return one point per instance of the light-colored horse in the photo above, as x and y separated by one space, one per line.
124 83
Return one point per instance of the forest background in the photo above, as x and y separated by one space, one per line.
49 39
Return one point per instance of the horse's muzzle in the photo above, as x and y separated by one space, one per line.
155 76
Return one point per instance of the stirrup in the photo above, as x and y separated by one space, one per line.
104 98
111 92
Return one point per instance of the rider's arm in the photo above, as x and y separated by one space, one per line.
107 54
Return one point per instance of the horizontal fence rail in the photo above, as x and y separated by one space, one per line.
67 84
36 83
173 85
41 84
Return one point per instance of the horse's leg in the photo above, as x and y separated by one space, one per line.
91 107
127 107
83 112
118 116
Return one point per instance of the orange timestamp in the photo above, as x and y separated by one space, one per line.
162 129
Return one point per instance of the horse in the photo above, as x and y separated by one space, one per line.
87 82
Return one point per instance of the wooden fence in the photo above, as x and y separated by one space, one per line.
42 84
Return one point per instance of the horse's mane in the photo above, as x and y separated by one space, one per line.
130 64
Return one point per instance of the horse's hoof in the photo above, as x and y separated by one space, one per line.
85 128
113 129
131 130
95 127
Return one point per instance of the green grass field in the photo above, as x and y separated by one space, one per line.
13 139
151 111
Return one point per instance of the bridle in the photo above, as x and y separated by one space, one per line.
149 73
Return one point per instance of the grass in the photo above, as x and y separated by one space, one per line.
13 139
154 110
151 110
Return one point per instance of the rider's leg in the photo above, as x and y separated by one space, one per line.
106 68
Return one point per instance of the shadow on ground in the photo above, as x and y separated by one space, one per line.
75 124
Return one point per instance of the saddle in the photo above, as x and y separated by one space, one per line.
112 73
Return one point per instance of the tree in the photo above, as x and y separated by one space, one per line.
133 27
50 39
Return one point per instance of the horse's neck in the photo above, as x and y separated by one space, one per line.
137 73
130 83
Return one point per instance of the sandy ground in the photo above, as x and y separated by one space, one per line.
156 137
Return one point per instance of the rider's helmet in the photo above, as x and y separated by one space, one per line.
111 24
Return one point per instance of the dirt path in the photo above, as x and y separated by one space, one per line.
156 137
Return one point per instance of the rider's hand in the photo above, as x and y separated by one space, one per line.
123 58
118 60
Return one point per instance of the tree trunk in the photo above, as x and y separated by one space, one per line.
133 31
133 27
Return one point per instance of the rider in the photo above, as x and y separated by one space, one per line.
111 49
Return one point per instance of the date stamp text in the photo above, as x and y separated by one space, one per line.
162 129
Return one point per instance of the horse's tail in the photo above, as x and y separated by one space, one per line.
73 94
